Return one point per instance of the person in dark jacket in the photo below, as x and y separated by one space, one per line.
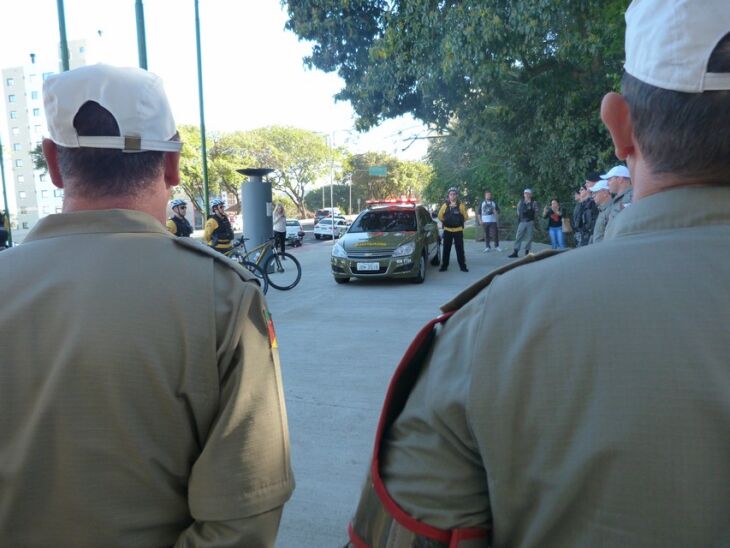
452 216
526 213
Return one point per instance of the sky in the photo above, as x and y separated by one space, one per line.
253 71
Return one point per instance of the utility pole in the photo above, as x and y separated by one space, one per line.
141 36
203 148
62 32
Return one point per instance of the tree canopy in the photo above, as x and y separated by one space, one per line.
515 84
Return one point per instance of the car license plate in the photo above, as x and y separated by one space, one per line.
369 267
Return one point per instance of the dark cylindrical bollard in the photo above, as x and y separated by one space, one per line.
256 206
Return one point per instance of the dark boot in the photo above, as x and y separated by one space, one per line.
513 255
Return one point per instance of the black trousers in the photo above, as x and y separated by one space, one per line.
458 241
280 240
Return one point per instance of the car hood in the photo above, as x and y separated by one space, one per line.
373 241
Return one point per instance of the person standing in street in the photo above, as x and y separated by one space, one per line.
526 212
4 226
554 215
452 216
140 392
512 421
279 220
602 198
489 218
178 225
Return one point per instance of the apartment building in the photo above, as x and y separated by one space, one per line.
31 195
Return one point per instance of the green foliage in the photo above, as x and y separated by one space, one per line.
516 84
39 160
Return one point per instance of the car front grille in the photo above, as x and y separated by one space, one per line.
370 255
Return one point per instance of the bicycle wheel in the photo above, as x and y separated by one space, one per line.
283 270
255 269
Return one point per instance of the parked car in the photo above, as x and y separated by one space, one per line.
324 228
326 212
388 240
294 232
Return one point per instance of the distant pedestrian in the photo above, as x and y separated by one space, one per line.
489 218
619 183
453 215
4 225
554 214
279 219
602 197
526 213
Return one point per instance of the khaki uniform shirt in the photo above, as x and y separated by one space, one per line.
619 203
599 228
140 397
598 420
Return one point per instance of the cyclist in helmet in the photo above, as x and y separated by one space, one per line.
178 224
218 229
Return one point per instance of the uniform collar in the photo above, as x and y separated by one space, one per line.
681 207
95 222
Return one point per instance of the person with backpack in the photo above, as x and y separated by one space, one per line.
452 216
488 217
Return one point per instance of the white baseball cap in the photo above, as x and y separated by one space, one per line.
669 42
617 171
600 185
527 191
133 96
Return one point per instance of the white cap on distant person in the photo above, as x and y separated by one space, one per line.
617 171
669 42
133 96
600 185
527 191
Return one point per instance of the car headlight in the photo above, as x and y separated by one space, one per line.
339 251
405 249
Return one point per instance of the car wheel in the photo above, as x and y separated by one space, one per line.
436 258
317 236
421 275
342 280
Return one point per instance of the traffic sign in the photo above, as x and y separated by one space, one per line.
378 171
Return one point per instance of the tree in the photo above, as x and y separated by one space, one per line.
516 83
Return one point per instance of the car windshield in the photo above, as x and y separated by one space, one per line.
325 222
385 221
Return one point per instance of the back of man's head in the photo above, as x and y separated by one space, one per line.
677 86
111 127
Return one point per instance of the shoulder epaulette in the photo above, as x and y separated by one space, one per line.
470 292
195 245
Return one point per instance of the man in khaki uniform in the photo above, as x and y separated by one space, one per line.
619 184
140 393
602 197
525 419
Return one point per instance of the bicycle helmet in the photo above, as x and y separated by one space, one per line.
177 202
216 203
453 189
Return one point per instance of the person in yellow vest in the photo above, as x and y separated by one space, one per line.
452 216
218 232
178 225
514 421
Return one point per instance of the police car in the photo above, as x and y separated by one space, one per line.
389 239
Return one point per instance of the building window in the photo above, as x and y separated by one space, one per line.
37 129
46 210
44 194
59 209
32 78
34 95
82 49
13 114
20 178
42 177
25 225
18 163
11 98
16 146
23 210
36 112
16 130
10 81
58 193
46 75
22 193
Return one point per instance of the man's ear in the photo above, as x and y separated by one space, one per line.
172 168
51 153
615 115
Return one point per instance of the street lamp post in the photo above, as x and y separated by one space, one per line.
5 196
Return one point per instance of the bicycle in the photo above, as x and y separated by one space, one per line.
235 254
280 270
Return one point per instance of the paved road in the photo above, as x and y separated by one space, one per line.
339 345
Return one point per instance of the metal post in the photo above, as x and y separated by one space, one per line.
332 183
141 39
5 195
62 32
203 148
